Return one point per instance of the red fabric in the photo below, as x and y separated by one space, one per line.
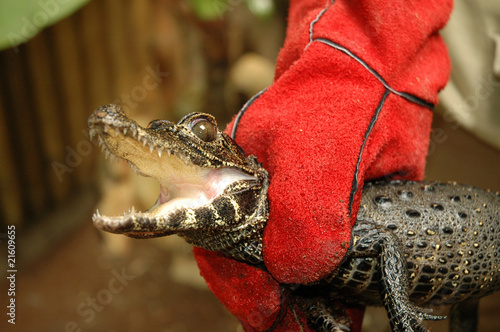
310 128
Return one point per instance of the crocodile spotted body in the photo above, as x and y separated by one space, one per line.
444 237
413 244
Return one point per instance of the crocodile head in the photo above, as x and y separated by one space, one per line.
211 193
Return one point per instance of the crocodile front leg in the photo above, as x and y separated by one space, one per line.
393 283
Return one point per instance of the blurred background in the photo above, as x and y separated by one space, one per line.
60 60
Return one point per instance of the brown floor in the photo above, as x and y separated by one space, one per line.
75 286
82 284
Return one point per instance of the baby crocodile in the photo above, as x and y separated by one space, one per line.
414 244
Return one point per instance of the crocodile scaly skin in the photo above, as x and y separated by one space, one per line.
420 244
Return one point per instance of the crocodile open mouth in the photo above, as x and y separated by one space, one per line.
183 184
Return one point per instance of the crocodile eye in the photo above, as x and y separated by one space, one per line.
204 129
157 124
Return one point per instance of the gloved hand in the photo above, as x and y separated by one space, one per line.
352 101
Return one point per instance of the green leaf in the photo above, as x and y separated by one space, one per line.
20 20
212 9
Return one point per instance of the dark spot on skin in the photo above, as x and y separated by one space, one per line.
246 201
448 290
364 266
404 194
429 188
224 207
428 269
383 201
392 226
462 215
178 218
413 214
424 279
455 199
464 288
422 244
437 207
447 230
204 215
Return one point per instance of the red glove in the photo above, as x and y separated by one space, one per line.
352 101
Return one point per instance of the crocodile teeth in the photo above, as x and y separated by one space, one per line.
125 131
151 148
159 152
106 154
185 159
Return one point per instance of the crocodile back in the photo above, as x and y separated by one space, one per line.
449 233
